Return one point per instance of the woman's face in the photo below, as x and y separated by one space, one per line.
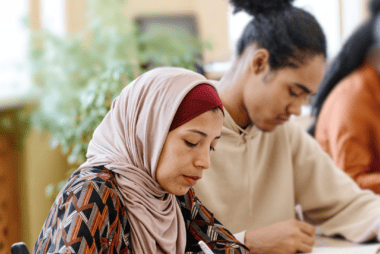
186 152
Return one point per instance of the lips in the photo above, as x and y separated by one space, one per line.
191 180
282 120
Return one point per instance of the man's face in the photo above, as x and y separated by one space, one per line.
279 94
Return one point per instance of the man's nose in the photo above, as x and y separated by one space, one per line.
295 109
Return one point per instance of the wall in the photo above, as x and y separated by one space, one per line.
9 175
212 24
42 166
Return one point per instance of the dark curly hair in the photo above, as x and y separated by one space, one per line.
350 57
291 35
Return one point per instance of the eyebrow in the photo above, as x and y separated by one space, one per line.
304 88
202 133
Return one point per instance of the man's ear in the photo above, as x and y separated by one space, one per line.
260 61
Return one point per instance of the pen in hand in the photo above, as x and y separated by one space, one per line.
299 213
205 248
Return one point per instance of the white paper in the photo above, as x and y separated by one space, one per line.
361 249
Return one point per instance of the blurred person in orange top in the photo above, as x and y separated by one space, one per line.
346 107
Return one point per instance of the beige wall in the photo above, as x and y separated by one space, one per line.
75 15
42 166
211 16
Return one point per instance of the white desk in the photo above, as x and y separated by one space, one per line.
340 246
323 241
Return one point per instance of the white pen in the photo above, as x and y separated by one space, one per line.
299 212
205 248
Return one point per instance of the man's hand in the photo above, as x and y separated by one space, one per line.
286 237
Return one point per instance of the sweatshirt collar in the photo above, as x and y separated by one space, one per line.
230 124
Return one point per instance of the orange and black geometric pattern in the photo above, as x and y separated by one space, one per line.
89 216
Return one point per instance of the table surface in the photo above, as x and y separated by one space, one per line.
324 241
335 245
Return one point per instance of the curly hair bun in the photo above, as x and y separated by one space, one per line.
255 7
374 6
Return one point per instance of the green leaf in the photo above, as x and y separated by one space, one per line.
49 190
82 73
60 185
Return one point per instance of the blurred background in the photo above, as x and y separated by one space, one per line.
62 62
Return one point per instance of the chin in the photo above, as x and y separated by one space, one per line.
180 191
266 127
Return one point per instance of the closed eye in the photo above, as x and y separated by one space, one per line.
292 93
190 144
212 148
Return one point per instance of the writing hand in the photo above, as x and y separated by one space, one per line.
286 237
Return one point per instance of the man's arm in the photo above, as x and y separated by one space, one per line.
286 237
330 198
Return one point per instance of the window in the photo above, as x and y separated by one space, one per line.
14 77
52 16
327 13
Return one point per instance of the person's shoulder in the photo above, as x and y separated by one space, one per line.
291 131
101 180
89 199
99 175
356 85
355 97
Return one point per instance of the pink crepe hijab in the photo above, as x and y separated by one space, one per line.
129 141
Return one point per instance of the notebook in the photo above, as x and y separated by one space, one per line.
337 245
360 249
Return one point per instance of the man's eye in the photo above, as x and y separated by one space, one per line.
292 93
190 144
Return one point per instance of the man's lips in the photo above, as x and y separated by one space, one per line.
282 119
192 180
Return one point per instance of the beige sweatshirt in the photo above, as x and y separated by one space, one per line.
257 178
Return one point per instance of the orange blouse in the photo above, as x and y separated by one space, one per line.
348 127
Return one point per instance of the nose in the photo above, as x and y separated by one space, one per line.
294 108
202 161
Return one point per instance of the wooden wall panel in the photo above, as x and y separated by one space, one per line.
10 230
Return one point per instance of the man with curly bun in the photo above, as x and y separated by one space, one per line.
264 165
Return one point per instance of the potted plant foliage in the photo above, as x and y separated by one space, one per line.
80 74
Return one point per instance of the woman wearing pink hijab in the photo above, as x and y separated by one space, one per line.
134 193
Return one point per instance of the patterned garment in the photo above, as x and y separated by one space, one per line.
89 216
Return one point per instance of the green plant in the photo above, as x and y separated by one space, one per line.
15 123
80 74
